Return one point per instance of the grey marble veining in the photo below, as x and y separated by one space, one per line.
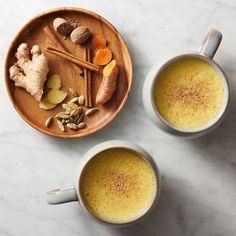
199 176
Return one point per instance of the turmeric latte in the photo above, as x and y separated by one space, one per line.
118 185
189 93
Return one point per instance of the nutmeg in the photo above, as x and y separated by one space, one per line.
62 26
80 35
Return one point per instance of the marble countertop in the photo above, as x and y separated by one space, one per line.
199 176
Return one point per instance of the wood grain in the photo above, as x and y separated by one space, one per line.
33 33
71 58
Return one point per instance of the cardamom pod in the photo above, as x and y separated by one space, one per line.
73 92
81 125
73 105
65 106
70 120
81 118
77 116
60 126
49 121
81 100
74 100
62 115
68 111
91 111
72 126
74 112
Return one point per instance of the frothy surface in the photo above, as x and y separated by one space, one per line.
118 185
189 93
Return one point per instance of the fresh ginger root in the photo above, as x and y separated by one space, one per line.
102 57
30 74
109 83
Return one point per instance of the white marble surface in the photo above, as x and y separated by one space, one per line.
199 193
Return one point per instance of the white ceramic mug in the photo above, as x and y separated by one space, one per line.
206 53
74 193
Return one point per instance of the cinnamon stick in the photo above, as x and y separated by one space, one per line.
49 32
88 81
73 59
54 38
86 94
90 98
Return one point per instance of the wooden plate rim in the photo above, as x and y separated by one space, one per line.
13 42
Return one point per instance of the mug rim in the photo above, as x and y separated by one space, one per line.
142 153
217 120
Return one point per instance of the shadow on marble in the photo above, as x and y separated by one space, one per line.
177 214
222 141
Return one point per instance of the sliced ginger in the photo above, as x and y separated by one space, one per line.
98 42
56 96
54 82
109 83
102 57
46 105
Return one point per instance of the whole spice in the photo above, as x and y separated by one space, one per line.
73 22
81 125
65 106
80 34
71 58
68 110
88 80
62 115
72 126
74 100
62 26
73 92
73 105
73 115
80 119
91 111
49 121
74 112
60 126
54 38
81 100
109 83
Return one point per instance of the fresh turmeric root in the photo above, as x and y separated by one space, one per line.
102 57
30 74
98 42
109 83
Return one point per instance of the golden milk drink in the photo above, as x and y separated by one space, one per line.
189 93
118 185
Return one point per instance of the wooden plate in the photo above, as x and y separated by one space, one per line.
32 33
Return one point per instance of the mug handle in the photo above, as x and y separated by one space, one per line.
59 196
211 43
